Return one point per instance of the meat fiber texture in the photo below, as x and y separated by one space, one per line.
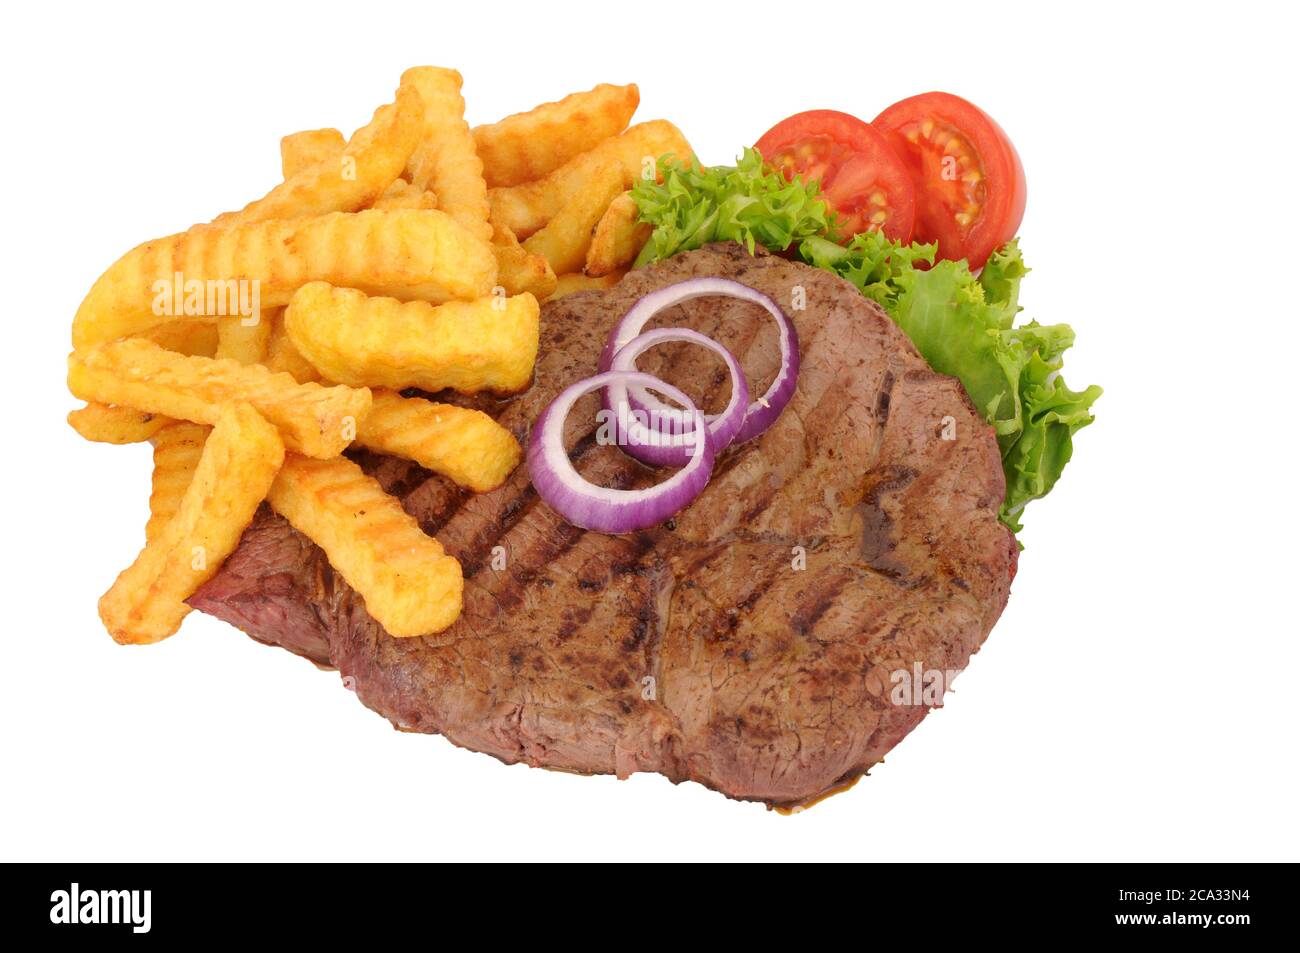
750 644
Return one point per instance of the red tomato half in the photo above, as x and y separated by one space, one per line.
970 185
863 181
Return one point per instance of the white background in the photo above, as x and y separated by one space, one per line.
1137 699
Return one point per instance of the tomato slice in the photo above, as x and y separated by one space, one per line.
970 185
862 180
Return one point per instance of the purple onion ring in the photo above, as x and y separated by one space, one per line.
760 414
652 444
604 509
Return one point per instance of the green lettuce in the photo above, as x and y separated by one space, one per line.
744 203
964 325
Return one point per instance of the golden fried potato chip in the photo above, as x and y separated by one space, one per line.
177 449
464 445
245 339
445 160
573 283
518 271
402 194
527 146
410 585
618 237
526 208
234 473
211 271
104 423
315 420
302 150
488 344
374 157
564 240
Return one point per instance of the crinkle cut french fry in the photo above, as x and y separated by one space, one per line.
467 446
445 160
414 254
517 270
527 146
573 283
373 158
410 585
315 420
104 423
234 473
470 346
564 240
302 150
526 208
177 449
618 238
244 339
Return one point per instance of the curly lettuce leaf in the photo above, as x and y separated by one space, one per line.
872 264
1052 414
745 203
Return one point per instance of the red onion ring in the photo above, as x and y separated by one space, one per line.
653 445
760 414
603 509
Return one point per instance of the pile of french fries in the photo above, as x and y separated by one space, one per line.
253 350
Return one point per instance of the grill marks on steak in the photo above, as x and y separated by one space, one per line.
694 649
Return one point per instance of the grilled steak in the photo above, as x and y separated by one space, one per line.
749 643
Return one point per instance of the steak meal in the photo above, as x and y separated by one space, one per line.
556 442
695 649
